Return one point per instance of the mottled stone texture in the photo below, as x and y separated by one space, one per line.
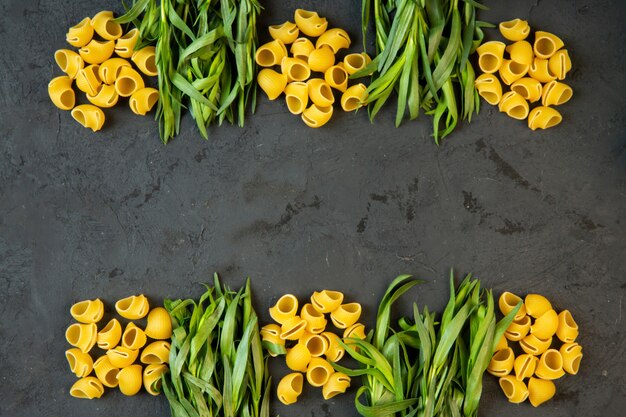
349 206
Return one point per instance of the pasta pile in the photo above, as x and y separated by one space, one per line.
122 348
532 72
309 348
536 327
306 93
103 77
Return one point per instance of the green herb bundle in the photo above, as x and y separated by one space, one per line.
422 49
205 58
217 366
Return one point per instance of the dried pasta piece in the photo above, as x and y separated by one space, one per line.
270 337
533 345
289 388
545 325
540 71
110 69
89 116
515 30
143 100
80 362
502 362
326 301
125 45
335 350
272 83
87 80
129 379
502 344
285 308
337 384
110 335
514 390
556 93
159 324
302 48
297 96
334 38
293 328
560 64
105 98
489 88
156 353
567 331
315 321
542 117
133 337
152 378
96 52
490 56
88 388
518 329
508 301
546 44
122 357
106 372
310 23
550 365
354 97
511 71
540 391
337 77
316 116
105 26
536 305
80 34
572 354
61 92
298 358
134 307
286 32
521 52
295 69
271 53
82 336
127 83
356 62
317 344
346 315
145 60
514 105
318 372
69 62
320 92
320 59
529 88
525 365
356 331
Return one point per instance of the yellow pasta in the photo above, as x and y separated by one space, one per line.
514 390
567 331
82 336
335 350
515 30
318 372
89 116
142 101
298 358
545 326
293 328
316 116
337 384
550 365
317 344
80 34
508 301
334 38
110 69
271 53
272 83
337 77
521 52
518 329
80 362
88 388
356 331
295 69
544 118
110 335
122 357
156 353
490 56
354 97
540 71
320 92
489 88
525 366
285 308
529 88
572 354
105 26
560 64
286 32
326 301
533 345
297 96
271 333
159 324
134 307
127 83
315 321
540 391
152 378
502 344
302 48
320 59
502 362
346 315
133 337
546 44
125 45
87 80
511 71
145 60
69 62
514 105
556 93
356 62
310 23
536 305
105 98
106 372
129 379
61 92
96 52
290 388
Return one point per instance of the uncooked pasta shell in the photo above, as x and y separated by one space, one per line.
88 388
298 358
515 30
514 390
61 92
337 384
286 32
490 56
156 353
326 301
502 362
540 391
334 38
82 336
80 34
310 23
129 379
318 372
289 388
134 307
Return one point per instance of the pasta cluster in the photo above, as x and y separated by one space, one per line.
117 366
308 347
535 327
308 94
103 77
533 74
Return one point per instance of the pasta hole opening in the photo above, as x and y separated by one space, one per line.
61 59
129 35
126 85
333 295
151 64
553 360
319 375
152 99
503 355
108 327
151 358
71 360
565 96
554 120
73 332
332 394
130 336
113 29
286 304
312 312
265 57
489 62
111 376
352 103
79 393
156 386
517 68
491 98
518 112
576 363
510 24
306 14
338 76
301 56
79 308
545 46
297 382
507 387
569 320
351 308
299 72
126 302
316 346
326 92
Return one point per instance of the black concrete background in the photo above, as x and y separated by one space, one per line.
348 206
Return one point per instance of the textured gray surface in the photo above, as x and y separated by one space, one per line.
349 206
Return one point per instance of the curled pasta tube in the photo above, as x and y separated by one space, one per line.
297 96
285 308
270 336
89 116
287 32
272 83
490 56
316 116
536 305
321 59
105 26
96 52
269 331
61 92
514 390
508 301
310 23
546 44
105 98
82 336
142 101
531 344
529 88
290 388
69 62
80 34
524 366
295 69
293 328
110 69
88 388
134 307
337 77
521 52
572 354
515 30
80 362
159 324
518 329
125 45
334 38
156 353
514 105
152 378
556 93
121 356
271 53
489 88
335 350
315 321
145 59
511 71
560 64
320 92
318 372
346 315
356 62
298 358
127 83
356 331
88 311
106 372
540 70
502 344
540 391
567 331
550 365
326 301
129 380
110 335
337 384
317 344
502 362
545 326
542 117
302 48
87 80
354 97
133 337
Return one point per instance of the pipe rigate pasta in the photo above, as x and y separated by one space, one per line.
354 97
271 53
320 59
317 344
533 345
290 388
335 350
88 388
326 301
567 331
525 365
508 301
511 71
159 324
298 358
556 93
356 62
489 88
572 354
490 56
134 307
502 362
546 44
110 69
121 356
110 335
320 92
133 337
80 34
156 353
530 89
550 365
502 344
142 101
127 83
346 315
129 379
316 116
80 362
315 321
542 117
88 311
96 52
87 80
302 48
82 336
545 326
318 372
145 60
521 52
514 390
337 77
335 38
61 92
295 69
310 23
297 96
270 337
515 30
356 331
293 328
540 71
105 98
540 391
152 378
89 116
69 62
285 308
560 64
337 384
106 372
518 329
125 45
287 32
105 26
514 105
272 82
536 305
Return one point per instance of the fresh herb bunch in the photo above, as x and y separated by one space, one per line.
205 58
217 366
422 49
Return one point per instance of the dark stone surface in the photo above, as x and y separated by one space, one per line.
348 206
